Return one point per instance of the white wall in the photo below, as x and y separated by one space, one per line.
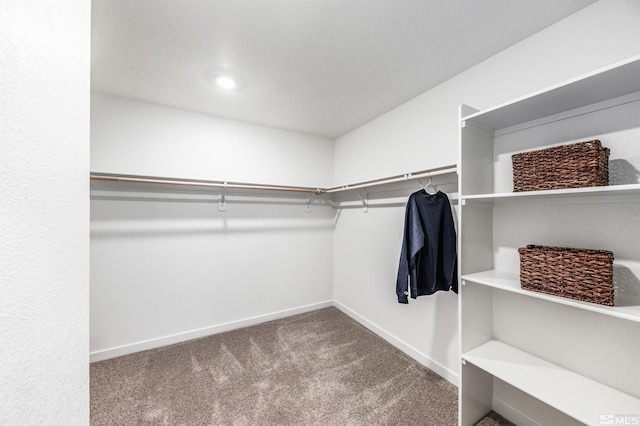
166 265
422 134
44 213
366 256
132 137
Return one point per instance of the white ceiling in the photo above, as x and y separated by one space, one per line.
322 67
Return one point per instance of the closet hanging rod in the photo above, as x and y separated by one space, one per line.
394 179
204 183
237 185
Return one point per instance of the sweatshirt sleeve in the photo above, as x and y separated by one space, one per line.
402 283
450 250
411 243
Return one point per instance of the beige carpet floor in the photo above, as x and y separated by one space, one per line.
317 368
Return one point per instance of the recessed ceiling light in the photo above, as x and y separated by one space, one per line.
225 81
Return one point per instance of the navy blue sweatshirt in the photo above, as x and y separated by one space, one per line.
428 248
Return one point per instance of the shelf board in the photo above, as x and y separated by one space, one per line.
510 281
617 80
632 189
575 395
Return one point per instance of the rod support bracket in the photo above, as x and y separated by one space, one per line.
364 198
222 201
310 200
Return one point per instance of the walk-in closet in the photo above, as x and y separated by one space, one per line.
282 212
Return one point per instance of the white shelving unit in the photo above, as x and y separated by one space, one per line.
534 376
510 281
572 362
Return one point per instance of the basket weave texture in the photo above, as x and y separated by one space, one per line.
577 165
580 274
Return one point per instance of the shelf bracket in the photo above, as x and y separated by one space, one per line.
307 208
365 201
222 201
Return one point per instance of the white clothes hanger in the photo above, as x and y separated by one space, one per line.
429 188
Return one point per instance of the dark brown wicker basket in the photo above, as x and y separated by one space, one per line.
576 165
579 274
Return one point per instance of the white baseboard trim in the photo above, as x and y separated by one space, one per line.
144 345
511 414
423 359
117 351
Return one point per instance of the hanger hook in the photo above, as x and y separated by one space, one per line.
430 184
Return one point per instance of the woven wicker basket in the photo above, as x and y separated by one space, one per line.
576 165
579 274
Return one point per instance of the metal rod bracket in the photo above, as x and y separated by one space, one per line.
309 202
222 201
364 198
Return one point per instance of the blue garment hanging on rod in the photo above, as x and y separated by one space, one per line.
428 260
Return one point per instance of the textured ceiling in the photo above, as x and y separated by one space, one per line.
321 67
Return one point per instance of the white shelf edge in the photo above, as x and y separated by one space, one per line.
553 87
546 91
510 281
575 395
596 190
575 112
